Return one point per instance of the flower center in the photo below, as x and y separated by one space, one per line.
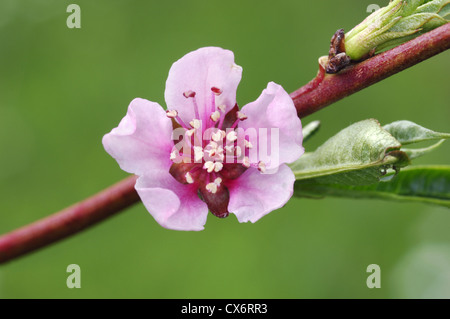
210 152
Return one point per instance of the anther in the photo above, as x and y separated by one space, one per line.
190 132
215 116
209 166
189 94
241 116
246 162
174 154
189 178
171 114
216 90
218 167
198 153
195 124
261 167
232 136
212 187
218 136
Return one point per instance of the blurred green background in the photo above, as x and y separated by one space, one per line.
62 89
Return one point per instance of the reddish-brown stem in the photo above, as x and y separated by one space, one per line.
69 221
326 89
320 92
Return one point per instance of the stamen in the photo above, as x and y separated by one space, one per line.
240 117
212 187
174 154
218 167
261 167
198 153
215 116
195 124
218 136
232 136
209 166
213 166
189 178
222 108
189 94
248 144
246 162
171 114
190 132
216 90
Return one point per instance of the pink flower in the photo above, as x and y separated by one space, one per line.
203 152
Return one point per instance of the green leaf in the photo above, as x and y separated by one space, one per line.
425 184
415 153
359 154
407 132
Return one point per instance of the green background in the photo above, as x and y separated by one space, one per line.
62 89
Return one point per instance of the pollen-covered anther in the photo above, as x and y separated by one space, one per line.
232 136
212 187
190 132
213 166
218 167
248 144
198 153
261 166
189 178
174 154
189 94
218 136
216 90
209 166
246 162
241 116
171 114
195 124
215 116
222 108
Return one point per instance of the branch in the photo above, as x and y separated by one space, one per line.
326 89
320 92
69 221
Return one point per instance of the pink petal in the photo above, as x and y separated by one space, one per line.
199 71
172 204
254 195
275 109
143 139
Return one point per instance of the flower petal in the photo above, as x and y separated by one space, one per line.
143 139
274 109
172 204
199 71
254 195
